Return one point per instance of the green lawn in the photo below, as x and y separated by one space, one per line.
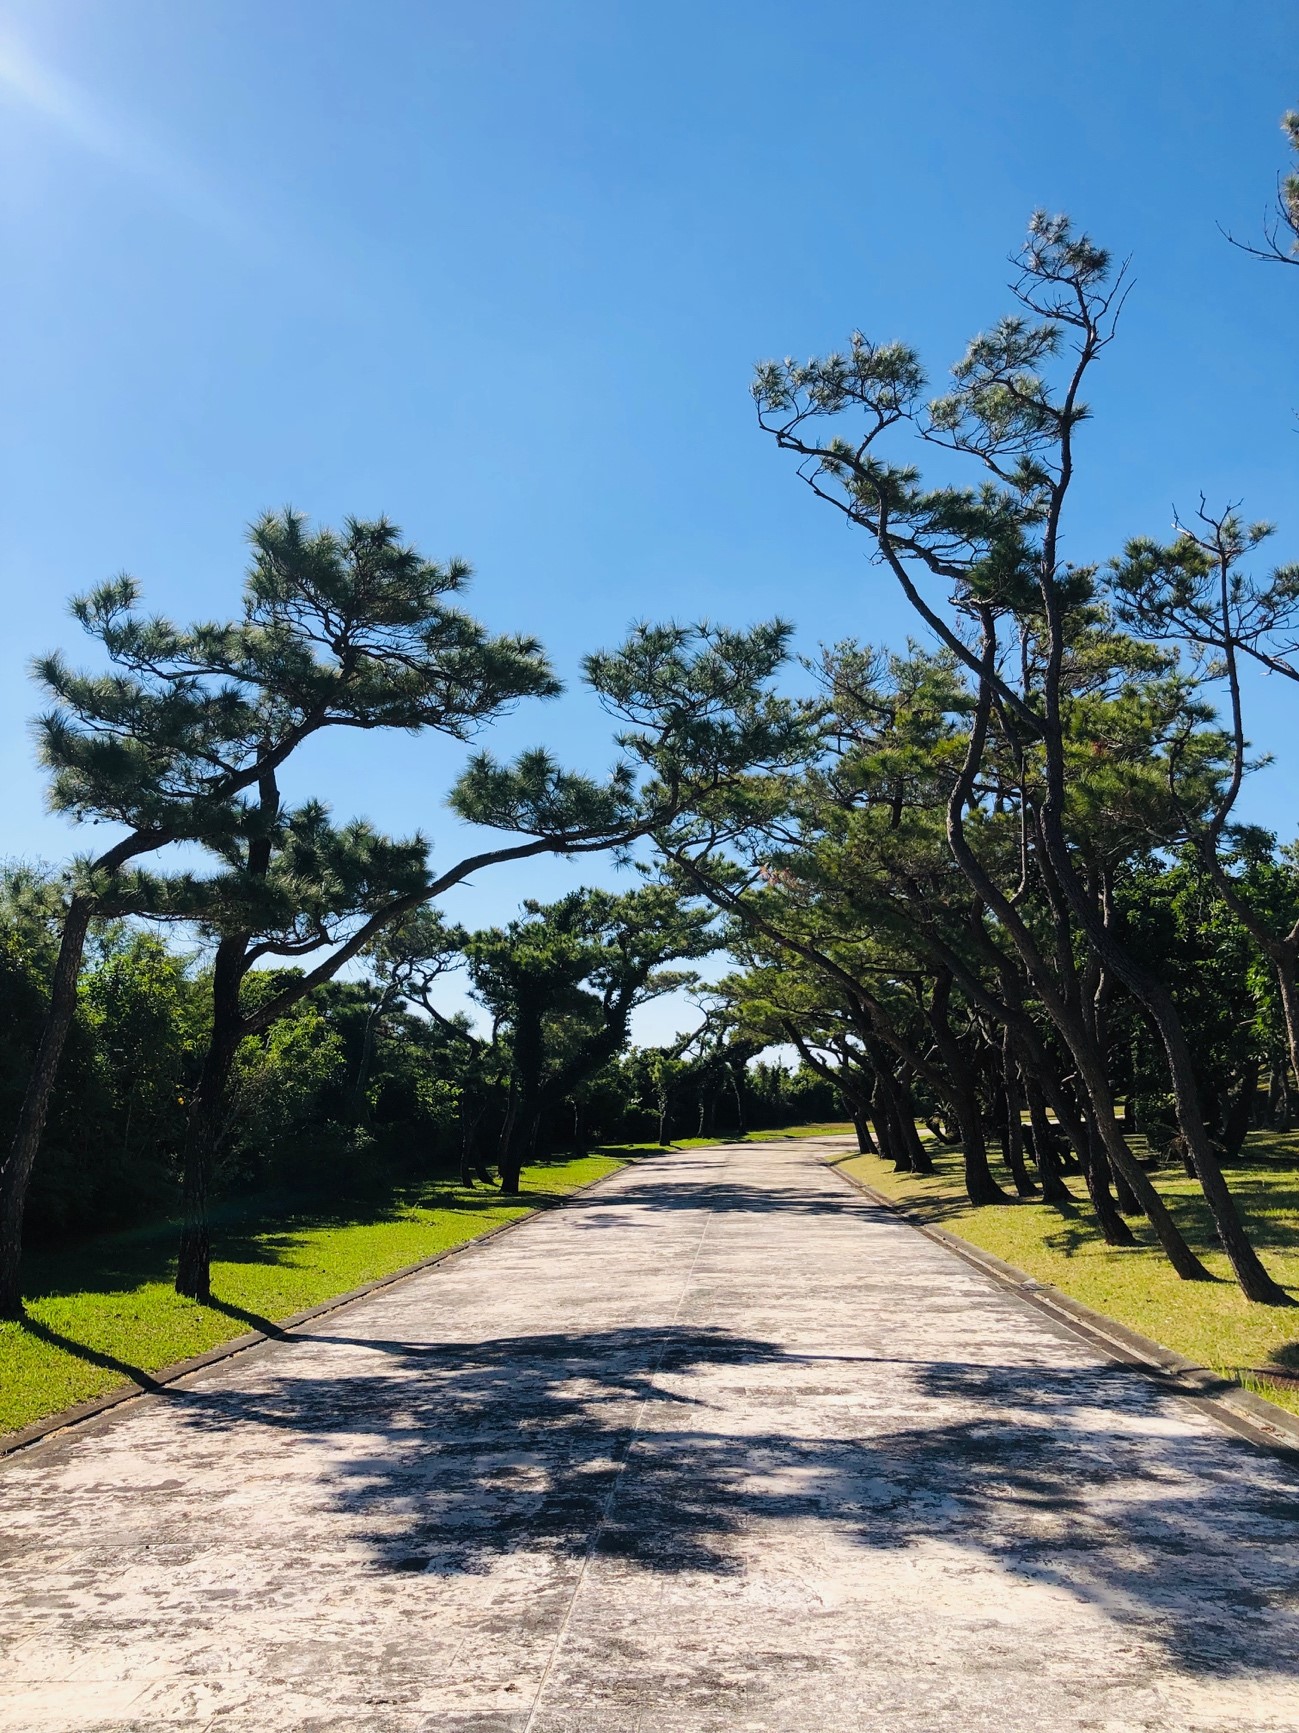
103 1310
1208 1322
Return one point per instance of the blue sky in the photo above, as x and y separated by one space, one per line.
502 273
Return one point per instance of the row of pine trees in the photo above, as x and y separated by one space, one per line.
997 878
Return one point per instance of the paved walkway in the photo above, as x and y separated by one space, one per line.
721 1446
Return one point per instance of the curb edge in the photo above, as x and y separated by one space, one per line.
1236 1409
11 1443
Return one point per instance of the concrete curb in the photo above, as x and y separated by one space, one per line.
13 1442
1223 1399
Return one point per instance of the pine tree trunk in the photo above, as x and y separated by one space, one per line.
1054 1190
16 1172
1255 1282
202 1138
739 1100
207 1119
1240 1112
1014 1144
1063 1014
517 1139
1278 1096
888 1122
980 1186
921 1160
194 1260
1283 962
1099 1175
1124 1195
469 1123
865 1142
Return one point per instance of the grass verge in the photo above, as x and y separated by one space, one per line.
1209 1322
104 1311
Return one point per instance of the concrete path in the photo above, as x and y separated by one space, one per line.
719 1447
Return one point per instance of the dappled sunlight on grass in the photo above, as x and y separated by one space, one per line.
104 1310
1209 1322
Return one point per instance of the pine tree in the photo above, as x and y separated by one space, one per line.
353 630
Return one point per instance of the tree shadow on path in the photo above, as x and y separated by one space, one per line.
616 1443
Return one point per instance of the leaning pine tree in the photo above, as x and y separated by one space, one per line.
158 748
985 568
352 630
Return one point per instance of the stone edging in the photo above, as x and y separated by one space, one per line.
132 1391
1222 1398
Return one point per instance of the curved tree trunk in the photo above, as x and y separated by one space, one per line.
1054 1190
1014 1141
908 1151
16 1172
207 1118
202 1139
1255 1282
980 1186
921 1160
1066 1017
887 1123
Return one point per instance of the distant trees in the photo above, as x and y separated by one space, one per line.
363 1085
118 1111
561 984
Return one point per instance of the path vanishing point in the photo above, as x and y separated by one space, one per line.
721 1445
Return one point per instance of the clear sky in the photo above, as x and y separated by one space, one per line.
501 272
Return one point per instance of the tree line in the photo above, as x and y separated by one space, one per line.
1011 885
995 878
367 1083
